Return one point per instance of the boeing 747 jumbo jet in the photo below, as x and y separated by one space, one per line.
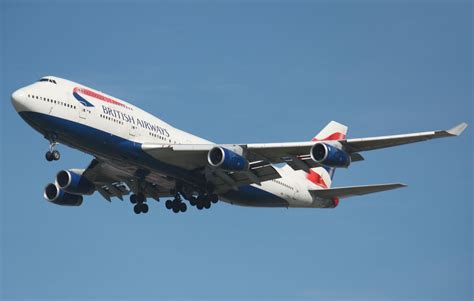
137 154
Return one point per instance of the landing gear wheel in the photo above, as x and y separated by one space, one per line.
214 198
192 201
140 198
176 209
56 155
207 204
169 204
137 209
52 154
199 206
49 156
183 207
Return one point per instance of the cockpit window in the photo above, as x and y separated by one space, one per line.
47 80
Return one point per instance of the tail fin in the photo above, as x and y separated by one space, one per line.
332 131
322 176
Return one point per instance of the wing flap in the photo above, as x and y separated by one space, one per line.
223 180
350 191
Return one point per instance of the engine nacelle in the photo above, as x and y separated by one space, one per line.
329 155
56 195
73 182
226 159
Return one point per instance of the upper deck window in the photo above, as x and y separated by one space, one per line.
47 80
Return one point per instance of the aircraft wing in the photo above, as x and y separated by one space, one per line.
276 152
261 156
366 144
116 180
193 157
106 180
345 192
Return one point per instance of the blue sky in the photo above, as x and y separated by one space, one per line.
249 72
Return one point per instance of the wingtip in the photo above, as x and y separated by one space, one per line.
458 129
397 185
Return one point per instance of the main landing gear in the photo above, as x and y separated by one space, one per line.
52 153
139 201
203 201
177 205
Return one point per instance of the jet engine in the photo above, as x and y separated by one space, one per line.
56 195
72 181
329 155
226 159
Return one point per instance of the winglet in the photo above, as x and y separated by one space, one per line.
458 129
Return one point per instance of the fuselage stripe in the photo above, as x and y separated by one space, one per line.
95 95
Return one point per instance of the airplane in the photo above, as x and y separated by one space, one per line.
140 155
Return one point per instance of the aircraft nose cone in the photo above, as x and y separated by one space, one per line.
19 99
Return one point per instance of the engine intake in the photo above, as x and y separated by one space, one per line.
227 159
56 195
329 155
74 183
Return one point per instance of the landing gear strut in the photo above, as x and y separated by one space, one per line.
139 201
52 153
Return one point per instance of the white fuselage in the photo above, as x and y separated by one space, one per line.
80 108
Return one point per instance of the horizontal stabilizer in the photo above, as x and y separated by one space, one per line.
345 192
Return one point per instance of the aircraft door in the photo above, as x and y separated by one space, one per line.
134 131
295 191
82 112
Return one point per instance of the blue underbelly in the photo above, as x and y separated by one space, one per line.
103 144
253 196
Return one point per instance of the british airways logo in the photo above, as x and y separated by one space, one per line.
76 92
135 121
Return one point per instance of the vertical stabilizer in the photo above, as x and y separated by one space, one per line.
332 131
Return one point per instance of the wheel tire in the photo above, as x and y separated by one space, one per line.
169 204
183 207
145 208
214 198
49 156
133 199
207 204
137 209
141 198
192 201
199 206
56 155
176 209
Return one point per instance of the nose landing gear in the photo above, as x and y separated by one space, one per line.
52 154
